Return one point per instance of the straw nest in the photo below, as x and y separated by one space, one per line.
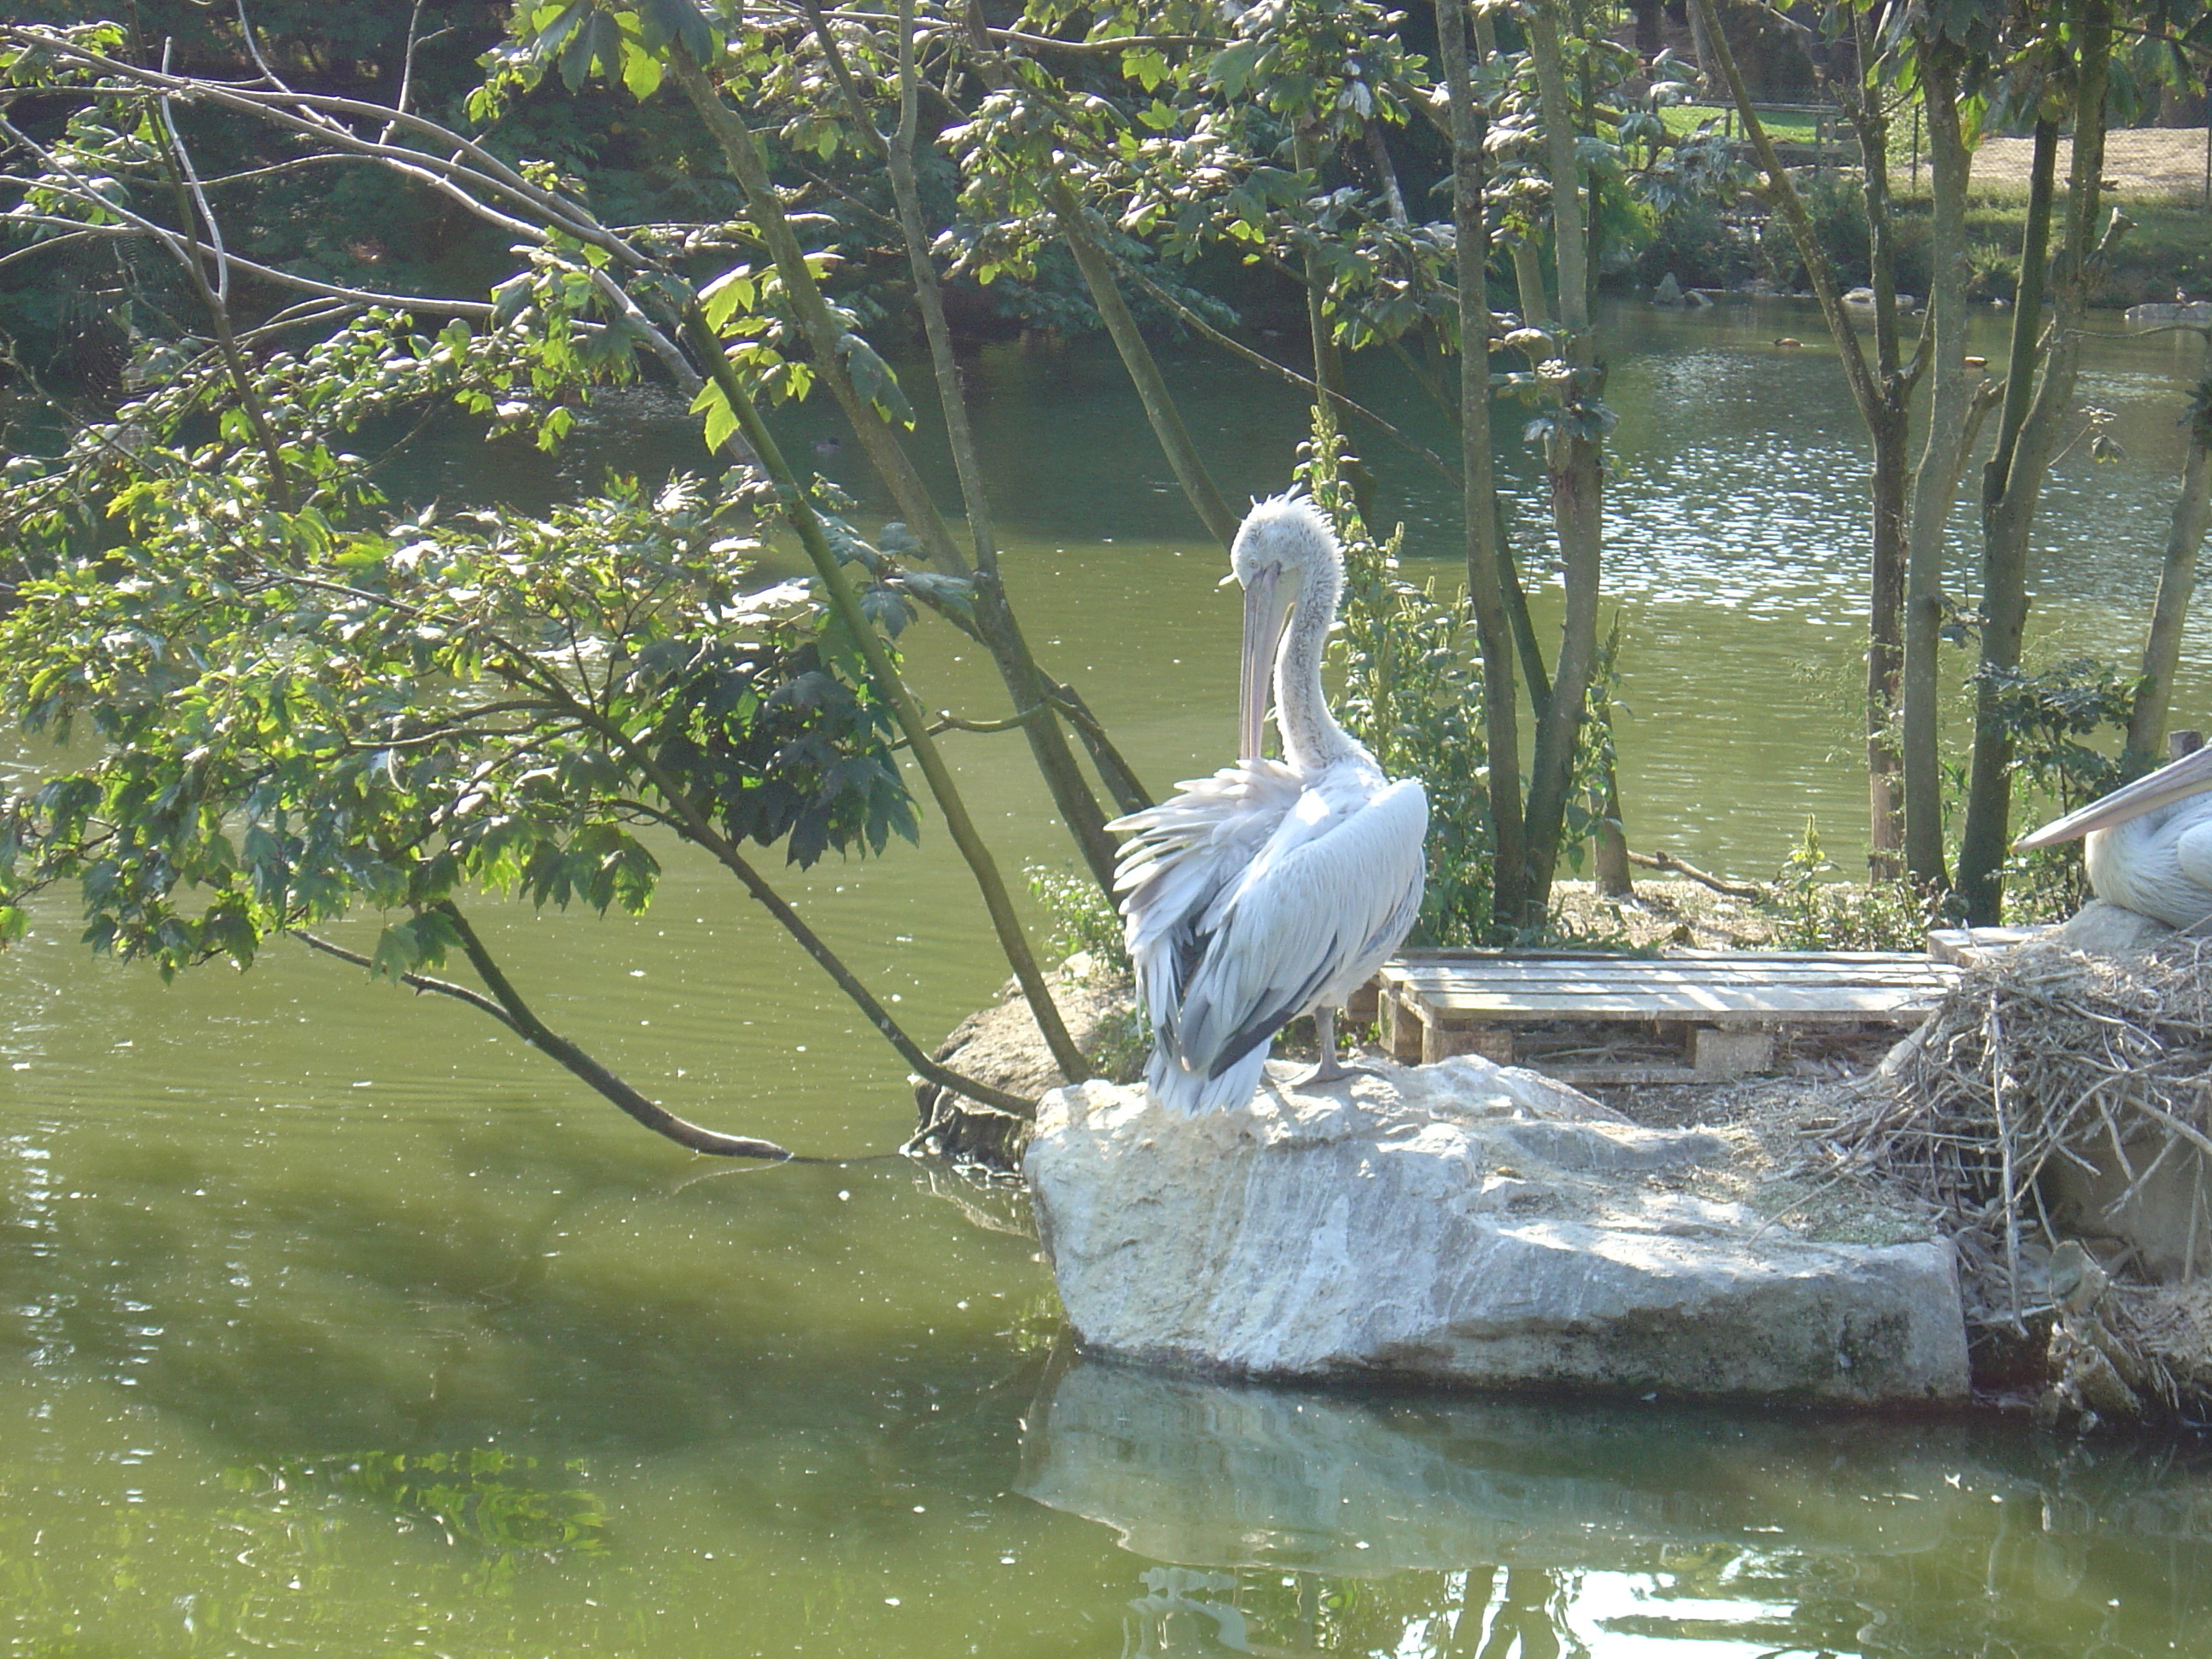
2048 1074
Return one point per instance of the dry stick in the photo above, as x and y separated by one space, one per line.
510 1011
1670 863
912 722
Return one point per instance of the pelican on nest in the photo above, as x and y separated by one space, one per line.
2147 847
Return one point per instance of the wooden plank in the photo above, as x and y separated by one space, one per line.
1609 984
1402 1028
1834 1001
1966 947
1493 1042
1666 967
1408 960
1922 973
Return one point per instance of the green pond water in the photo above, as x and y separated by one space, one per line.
333 1322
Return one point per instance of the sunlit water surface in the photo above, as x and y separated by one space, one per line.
331 1321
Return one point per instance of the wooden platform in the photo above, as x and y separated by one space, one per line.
1700 1015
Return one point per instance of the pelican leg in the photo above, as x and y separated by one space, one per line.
1329 1069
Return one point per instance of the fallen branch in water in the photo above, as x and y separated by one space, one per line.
511 1011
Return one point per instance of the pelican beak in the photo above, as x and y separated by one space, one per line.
1265 616
2191 775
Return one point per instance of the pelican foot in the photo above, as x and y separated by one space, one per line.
1331 1070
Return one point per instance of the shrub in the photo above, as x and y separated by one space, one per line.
1412 694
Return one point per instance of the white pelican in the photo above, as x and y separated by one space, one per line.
2150 845
1273 888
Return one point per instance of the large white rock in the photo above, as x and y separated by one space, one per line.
1468 1225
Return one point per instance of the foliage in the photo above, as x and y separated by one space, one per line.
1819 914
1081 920
1837 211
1412 694
1122 1042
300 710
2047 714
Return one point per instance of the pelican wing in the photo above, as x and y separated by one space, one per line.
1251 895
1185 854
1333 892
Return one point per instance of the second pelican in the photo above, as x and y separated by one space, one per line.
2147 848
1273 888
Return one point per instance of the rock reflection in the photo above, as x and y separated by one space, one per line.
1307 1522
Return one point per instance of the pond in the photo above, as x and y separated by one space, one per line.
331 1321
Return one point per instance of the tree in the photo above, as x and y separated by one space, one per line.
631 681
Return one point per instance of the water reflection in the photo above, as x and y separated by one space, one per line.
1306 1522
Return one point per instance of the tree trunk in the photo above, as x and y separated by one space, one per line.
2024 446
885 453
1573 460
1891 472
1479 496
1937 482
2177 580
1005 921
1198 486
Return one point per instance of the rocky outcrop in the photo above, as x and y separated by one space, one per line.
1001 1046
1473 1225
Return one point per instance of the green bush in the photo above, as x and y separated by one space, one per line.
1819 914
1079 919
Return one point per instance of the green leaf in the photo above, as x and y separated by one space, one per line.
732 292
1232 67
873 380
641 70
598 41
721 420
661 21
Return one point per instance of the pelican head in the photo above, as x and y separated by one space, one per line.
1285 550
2191 775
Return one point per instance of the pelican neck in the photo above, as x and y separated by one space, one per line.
1311 737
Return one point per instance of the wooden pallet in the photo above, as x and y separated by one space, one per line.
1711 1014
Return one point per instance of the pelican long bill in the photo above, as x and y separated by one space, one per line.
2191 775
1265 617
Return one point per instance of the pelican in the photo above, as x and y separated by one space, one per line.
2148 846
1273 888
